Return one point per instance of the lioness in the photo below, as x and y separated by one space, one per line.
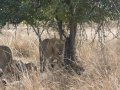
53 49
5 56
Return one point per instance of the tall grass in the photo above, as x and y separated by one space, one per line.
102 66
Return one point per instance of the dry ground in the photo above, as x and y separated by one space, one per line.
102 66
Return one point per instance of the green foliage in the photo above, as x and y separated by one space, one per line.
34 11
9 11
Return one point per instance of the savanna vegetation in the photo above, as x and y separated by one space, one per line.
72 20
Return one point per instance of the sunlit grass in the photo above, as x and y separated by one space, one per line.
102 67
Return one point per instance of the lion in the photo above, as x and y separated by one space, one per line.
52 50
5 56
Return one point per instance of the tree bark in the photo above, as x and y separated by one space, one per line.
70 51
60 30
41 56
41 53
69 54
73 27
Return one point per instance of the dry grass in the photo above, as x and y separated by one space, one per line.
102 67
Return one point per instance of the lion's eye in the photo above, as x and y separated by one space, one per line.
58 53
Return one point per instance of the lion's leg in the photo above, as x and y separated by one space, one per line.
60 62
51 62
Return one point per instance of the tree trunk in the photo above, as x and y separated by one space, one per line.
73 27
60 28
42 56
69 53
70 41
41 52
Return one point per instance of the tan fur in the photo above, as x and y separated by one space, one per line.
5 56
53 49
